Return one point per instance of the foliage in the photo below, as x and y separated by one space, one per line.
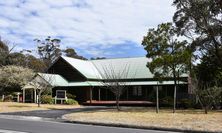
14 77
167 101
71 102
98 58
207 96
186 103
5 51
70 52
170 58
8 98
70 96
47 99
7 57
209 72
48 49
27 60
42 85
201 21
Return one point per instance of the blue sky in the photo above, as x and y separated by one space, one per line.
95 28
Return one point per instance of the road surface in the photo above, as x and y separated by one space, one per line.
9 125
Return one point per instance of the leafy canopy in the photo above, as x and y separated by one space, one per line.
170 57
201 21
14 77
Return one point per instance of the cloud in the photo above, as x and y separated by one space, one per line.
93 27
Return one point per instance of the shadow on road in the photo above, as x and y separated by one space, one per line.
56 113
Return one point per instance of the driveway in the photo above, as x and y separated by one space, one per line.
56 113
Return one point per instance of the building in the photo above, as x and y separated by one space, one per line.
85 79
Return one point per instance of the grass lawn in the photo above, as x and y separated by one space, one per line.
15 107
182 119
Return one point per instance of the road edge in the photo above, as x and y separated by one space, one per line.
137 127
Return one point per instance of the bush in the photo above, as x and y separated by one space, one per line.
168 101
186 103
8 98
70 96
47 99
71 102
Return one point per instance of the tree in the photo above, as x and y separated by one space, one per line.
5 51
209 71
207 95
48 49
201 21
97 58
27 60
170 57
70 52
113 79
42 84
14 77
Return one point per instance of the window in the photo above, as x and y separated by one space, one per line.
61 94
137 91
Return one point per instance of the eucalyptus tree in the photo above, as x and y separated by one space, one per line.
48 49
169 56
201 22
70 52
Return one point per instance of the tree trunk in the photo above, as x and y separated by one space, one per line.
157 99
39 100
206 109
174 99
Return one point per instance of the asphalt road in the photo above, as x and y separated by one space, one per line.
55 113
30 126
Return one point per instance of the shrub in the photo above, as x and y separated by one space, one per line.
8 98
186 103
46 99
70 96
168 101
71 102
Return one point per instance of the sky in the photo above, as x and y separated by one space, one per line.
94 28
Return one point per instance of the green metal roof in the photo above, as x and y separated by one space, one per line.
54 79
95 69
57 80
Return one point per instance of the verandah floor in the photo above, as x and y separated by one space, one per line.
95 102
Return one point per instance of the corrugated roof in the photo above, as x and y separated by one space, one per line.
57 80
136 66
54 79
84 67
95 69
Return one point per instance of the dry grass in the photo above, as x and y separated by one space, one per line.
183 119
16 107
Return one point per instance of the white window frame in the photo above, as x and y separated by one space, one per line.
61 91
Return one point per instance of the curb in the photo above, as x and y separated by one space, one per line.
139 127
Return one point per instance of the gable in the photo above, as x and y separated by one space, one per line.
63 68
